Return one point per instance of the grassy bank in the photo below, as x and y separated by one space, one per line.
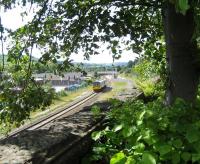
116 87
61 101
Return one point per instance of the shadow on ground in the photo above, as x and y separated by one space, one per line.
41 145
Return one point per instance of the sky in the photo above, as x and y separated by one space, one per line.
13 20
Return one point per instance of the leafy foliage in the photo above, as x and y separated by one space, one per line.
149 133
96 111
60 28
20 94
144 69
148 87
181 5
16 105
148 77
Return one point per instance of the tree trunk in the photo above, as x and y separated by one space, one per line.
181 52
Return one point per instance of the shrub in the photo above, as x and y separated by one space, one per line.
62 93
16 105
149 133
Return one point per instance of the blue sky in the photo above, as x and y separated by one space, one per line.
12 19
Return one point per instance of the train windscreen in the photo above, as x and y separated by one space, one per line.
96 84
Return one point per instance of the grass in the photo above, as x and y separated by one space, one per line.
117 86
60 102
130 77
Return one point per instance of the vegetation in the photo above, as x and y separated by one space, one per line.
14 101
149 133
64 27
61 99
164 33
149 77
117 87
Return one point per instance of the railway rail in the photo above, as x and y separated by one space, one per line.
53 116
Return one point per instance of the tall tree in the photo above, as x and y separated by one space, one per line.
62 27
181 46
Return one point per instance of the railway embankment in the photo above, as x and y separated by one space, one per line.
130 91
65 140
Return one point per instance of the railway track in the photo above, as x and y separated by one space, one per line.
53 116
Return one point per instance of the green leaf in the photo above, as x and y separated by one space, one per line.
192 135
175 158
139 122
127 131
196 146
139 138
147 158
99 149
96 135
195 157
186 156
183 5
118 158
177 143
141 115
150 139
130 160
164 149
117 127
139 148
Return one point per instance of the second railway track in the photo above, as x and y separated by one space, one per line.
53 116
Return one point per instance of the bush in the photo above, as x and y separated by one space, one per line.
61 94
149 133
16 105
147 87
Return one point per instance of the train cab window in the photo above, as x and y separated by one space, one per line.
95 83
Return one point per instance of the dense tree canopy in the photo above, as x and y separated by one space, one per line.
62 27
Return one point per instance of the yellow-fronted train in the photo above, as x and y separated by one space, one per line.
99 85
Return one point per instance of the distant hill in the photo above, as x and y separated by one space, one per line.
77 63
121 63
102 64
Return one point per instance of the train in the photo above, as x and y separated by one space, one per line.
99 85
